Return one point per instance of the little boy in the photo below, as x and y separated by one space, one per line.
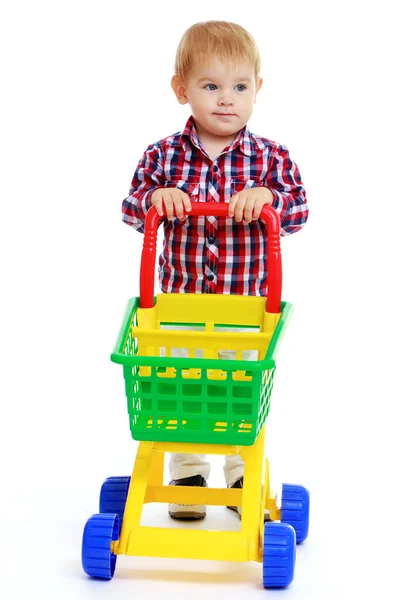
215 158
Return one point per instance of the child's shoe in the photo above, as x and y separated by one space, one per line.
239 485
188 512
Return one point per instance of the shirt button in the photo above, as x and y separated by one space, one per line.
211 239
210 277
215 168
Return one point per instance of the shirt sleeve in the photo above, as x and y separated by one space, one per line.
289 195
148 176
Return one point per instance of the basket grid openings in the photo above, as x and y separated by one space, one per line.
182 401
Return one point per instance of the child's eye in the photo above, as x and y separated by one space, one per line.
240 87
211 87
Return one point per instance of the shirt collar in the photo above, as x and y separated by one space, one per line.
249 144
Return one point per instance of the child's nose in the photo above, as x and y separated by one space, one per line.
226 99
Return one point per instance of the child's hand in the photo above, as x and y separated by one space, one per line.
248 204
175 202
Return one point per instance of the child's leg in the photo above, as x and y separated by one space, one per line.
231 354
234 465
186 465
187 469
233 469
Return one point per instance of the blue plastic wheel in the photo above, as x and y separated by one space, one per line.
279 555
295 510
97 559
114 492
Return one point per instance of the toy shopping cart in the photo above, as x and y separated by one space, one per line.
200 404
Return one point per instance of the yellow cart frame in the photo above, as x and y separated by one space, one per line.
147 486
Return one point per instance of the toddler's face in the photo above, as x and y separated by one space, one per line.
221 96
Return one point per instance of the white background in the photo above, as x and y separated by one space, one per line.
85 89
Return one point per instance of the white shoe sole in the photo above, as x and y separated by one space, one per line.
190 512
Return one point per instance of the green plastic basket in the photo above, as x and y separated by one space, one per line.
196 400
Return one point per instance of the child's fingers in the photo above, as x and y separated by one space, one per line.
186 201
178 207
232 204
248 209
239 209
158 205
156 200
258 209
169 205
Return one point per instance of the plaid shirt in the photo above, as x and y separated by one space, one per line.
206 254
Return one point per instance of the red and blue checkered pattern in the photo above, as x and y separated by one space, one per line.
206 254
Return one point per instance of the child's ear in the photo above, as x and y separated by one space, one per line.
259 83
179 90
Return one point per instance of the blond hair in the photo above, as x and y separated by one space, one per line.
228 41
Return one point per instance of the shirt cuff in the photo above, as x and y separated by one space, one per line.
280 203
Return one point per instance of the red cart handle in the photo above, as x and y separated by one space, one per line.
219 209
